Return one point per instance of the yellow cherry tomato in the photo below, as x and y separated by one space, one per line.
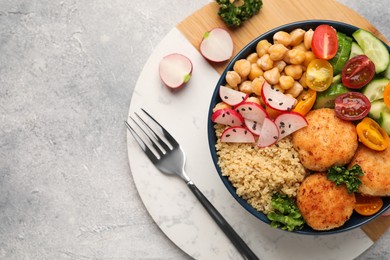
367 205
386 95
319 75
305 101
372 135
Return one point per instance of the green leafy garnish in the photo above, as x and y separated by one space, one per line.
350 177
285 213
234 12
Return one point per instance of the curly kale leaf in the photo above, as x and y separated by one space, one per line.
285 213
234 12
350 177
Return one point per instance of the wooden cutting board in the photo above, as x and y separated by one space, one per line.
275 13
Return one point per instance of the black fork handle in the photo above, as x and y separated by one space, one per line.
237 241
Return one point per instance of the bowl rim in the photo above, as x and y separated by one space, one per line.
250 47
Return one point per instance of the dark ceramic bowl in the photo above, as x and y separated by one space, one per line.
356 220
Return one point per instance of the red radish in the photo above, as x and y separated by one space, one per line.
276 99
289 122
227 116
175 70
217 45
269 133
232 97
253 126
237 134
251 111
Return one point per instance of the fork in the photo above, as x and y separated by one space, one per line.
169 158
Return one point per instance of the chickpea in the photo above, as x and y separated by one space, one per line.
272 76
307 38
300 46
262 47
309 56
295 90
297 36
278 87
302 80
257 85
277 51
246 87
282 37
265 62
256 71
286 82
221 105
242 67
295 56
294 71
233 78
280 64
252 58
254 100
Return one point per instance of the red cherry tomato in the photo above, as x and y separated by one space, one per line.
357 72
324 43
352 106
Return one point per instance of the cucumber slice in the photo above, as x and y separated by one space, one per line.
377 107
374 48
387 72
342 55
327 97
374 90
384 120
355 50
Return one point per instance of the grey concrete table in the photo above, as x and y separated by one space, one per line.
67 72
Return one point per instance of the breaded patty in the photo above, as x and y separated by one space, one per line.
327 141
376 169
323 204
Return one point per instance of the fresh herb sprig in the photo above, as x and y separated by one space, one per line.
234 12
350 177
285 213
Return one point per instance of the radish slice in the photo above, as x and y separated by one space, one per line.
276 99
269 133
232 97
175 70
227 116
253 126
237 134
252 111
217 45
289 122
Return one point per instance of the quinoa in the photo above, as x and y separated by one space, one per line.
257 173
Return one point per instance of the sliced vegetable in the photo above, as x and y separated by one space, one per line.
227 116
237 134
289 122
324 43
374 48
386 95
352 106
216 45
285 213
234 12
343 52
384 120
251 111
232 97
357 72
350 177
275 99
319 75
327 97
305 102
269 133
367 205
377 108
372 135
175 70
355 50
374 90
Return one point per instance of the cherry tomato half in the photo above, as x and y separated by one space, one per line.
305 101
372 135
352 106
357 72
324 43
319 75
386 95
367 205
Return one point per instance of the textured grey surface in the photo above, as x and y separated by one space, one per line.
67 72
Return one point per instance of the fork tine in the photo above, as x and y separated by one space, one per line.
166 134
142 144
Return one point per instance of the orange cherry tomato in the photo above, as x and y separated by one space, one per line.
305 102
319 75
367 205
386 95
372 135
